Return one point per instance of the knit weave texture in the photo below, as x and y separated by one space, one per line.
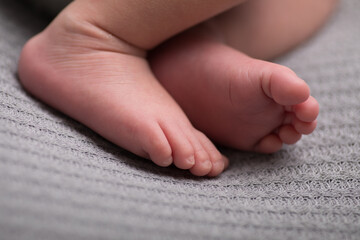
60 180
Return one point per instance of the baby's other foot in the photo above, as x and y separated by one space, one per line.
236 100
107 85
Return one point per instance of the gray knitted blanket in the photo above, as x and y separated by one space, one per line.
60 180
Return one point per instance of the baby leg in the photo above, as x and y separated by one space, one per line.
90 64
265 29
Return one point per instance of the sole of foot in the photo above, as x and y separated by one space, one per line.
237 101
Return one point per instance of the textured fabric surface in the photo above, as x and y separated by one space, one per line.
60 180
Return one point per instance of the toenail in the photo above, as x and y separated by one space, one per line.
191 160
167 162
207 164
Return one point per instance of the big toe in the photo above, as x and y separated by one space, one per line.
283 85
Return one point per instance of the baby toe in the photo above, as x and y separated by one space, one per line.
218 161
156 145
226 162
269 144
288 134
283 85
202 164
182 149
183 153
308 110
218 165
304 127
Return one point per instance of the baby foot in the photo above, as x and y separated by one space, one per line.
234 99
107 85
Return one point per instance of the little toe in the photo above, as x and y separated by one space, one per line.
226 162
218 165
218 161
288 134
269 144
283 85
304 127
308 110
202 164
